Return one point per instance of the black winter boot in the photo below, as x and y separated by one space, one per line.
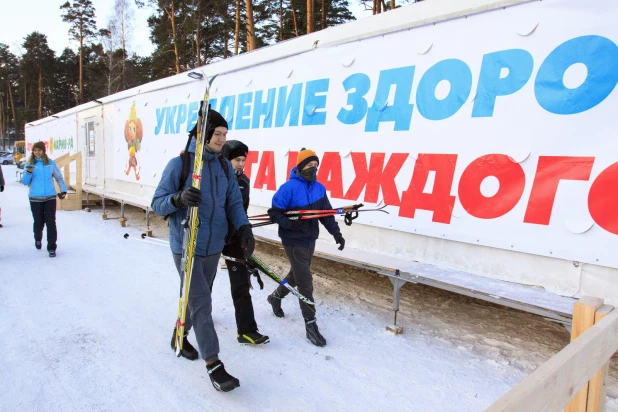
275 301
313 333
187 351
221 380
37 244
252 338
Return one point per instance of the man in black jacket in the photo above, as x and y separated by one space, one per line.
236 152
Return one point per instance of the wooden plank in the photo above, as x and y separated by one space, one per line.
78 179
596 386
530 296
583 319
521 297
60 160
73 201
550 387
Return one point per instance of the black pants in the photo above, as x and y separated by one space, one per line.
44 214
240 286
300 276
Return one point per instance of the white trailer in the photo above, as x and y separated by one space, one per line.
487 127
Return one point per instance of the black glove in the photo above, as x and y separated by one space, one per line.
340 240
247 241
187 197
1 188
62 195
297 224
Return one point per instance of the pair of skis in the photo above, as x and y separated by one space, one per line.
350 212
190 223
262 267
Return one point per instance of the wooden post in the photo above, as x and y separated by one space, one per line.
596 387
553 384
583 319
72 201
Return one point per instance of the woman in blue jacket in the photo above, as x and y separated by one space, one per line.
39 175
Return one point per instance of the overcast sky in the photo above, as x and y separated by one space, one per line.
21 17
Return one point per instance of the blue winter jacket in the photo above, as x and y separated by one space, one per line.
221 200
41 180
298 193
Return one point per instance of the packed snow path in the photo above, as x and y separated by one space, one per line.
90 330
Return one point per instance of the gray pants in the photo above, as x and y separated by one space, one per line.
300 277
199 306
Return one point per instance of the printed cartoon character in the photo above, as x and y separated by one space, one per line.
133 132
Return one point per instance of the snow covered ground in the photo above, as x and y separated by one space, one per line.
91 328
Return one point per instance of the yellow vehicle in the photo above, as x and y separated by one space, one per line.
19 150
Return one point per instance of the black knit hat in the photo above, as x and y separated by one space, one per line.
234 148
214 120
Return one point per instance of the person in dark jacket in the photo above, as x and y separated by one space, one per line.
218 200
1 190
40 172
240 284
302 191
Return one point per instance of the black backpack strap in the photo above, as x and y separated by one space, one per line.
184 170
224 166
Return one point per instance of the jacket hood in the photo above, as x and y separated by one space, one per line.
207 154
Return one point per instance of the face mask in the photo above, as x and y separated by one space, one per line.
310 174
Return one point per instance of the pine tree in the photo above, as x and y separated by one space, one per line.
81 17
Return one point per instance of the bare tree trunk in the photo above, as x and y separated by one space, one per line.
124 56
294 17
123 28
123 18
171 15
251 40
383 5
237 30
226 39
310 17
81 72
8 86
323 14
40 88
378 7
110 68
197 33
392 4
280 20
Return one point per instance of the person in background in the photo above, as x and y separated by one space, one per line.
236 152
40 172
302 191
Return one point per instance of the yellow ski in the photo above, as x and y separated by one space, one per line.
191 223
